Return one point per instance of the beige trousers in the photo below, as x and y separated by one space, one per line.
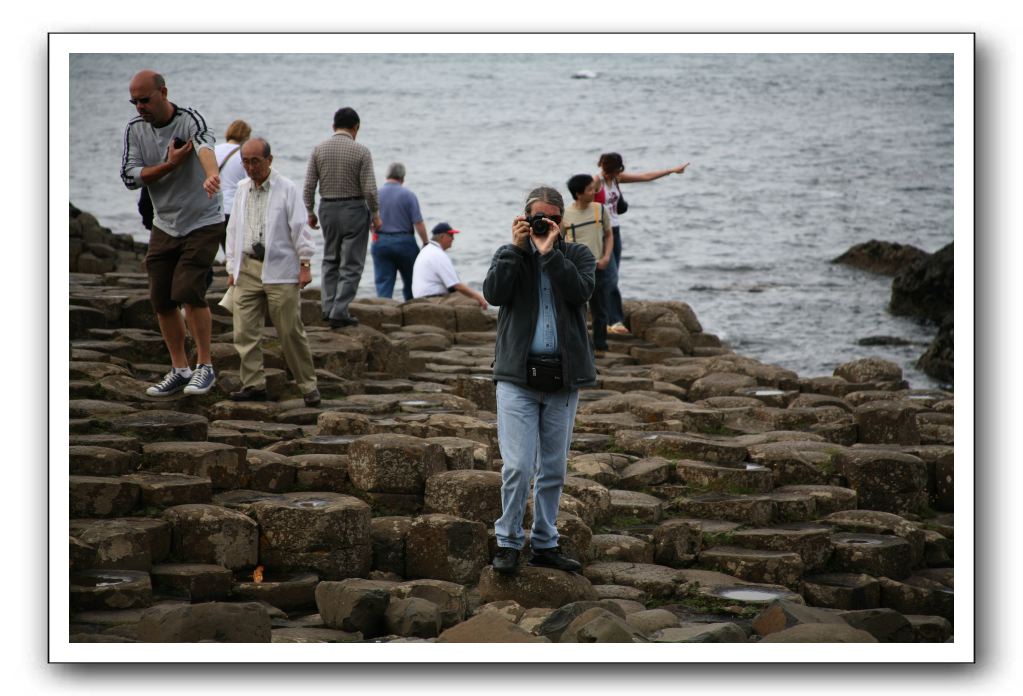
252 300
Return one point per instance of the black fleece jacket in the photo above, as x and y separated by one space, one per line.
513 284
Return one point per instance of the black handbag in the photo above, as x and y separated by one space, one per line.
621 207
544 374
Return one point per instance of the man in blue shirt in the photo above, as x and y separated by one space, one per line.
394 246
542 357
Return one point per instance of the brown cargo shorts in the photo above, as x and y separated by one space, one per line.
178 266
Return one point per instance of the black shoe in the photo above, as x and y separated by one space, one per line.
506 560
312 399
342 323
248 394
553 558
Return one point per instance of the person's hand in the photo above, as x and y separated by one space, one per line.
305 276
313 221
377 223
602 264
681 169
520 233
211 185
177 155
481 300
545 243
230 280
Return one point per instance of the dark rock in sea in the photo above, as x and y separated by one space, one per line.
925 289
939 360
886 258
883 341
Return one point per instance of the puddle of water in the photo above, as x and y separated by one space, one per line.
311 503
416 403
750 595
102 581
755 467
863 542
768 392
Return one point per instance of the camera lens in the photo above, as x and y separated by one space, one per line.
539 226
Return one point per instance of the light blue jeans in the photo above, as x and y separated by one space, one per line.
534 431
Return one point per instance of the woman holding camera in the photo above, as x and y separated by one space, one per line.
612 173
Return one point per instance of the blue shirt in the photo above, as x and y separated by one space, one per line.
399 208
545 337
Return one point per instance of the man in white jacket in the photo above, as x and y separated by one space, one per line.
269 248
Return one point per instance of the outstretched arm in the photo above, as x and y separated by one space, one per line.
626 178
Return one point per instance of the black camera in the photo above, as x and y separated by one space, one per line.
258 251
179 143
539 226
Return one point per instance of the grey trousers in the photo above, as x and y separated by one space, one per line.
345 238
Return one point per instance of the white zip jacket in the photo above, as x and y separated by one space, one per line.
288 237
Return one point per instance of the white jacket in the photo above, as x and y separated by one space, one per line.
288 237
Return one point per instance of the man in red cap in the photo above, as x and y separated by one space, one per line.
433 274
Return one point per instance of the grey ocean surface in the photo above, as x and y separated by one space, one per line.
795 158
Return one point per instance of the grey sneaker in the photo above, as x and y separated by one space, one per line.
203 379
170 385
312 399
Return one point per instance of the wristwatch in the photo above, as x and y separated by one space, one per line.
304 264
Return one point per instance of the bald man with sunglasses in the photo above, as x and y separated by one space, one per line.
169 150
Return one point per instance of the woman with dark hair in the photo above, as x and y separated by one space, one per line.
612 173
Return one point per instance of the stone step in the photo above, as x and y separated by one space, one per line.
166 490
747 509
102 496
755 565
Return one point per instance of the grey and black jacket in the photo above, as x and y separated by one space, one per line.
513 284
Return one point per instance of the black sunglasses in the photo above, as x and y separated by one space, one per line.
140 100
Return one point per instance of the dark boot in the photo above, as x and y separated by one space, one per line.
553 558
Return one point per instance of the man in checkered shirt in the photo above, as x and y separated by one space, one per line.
343 169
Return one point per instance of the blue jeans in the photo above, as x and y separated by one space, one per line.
534 431
614 309
393 254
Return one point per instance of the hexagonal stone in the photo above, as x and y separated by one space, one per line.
792 506
796 462
167 490
812 542
100 496
719 384
595 497
354 605
153 426
930 629
222 622
596 467
444 547
388 542
884 480
196 582
124 443
321 472
127 543
598 625
224 465
471 495
747 509
916 595
85 460
326 532
867 370
842 591
412 616
674 445
827 499
873 554
110 589
394 463
780 615
459 452
619 547
488 627
874 522
535 587
655 580
742 478
888 422
676 543
269 471
772 567
646 472
450 598
636 505
212 534
288 591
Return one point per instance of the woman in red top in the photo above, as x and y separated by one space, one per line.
612 173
